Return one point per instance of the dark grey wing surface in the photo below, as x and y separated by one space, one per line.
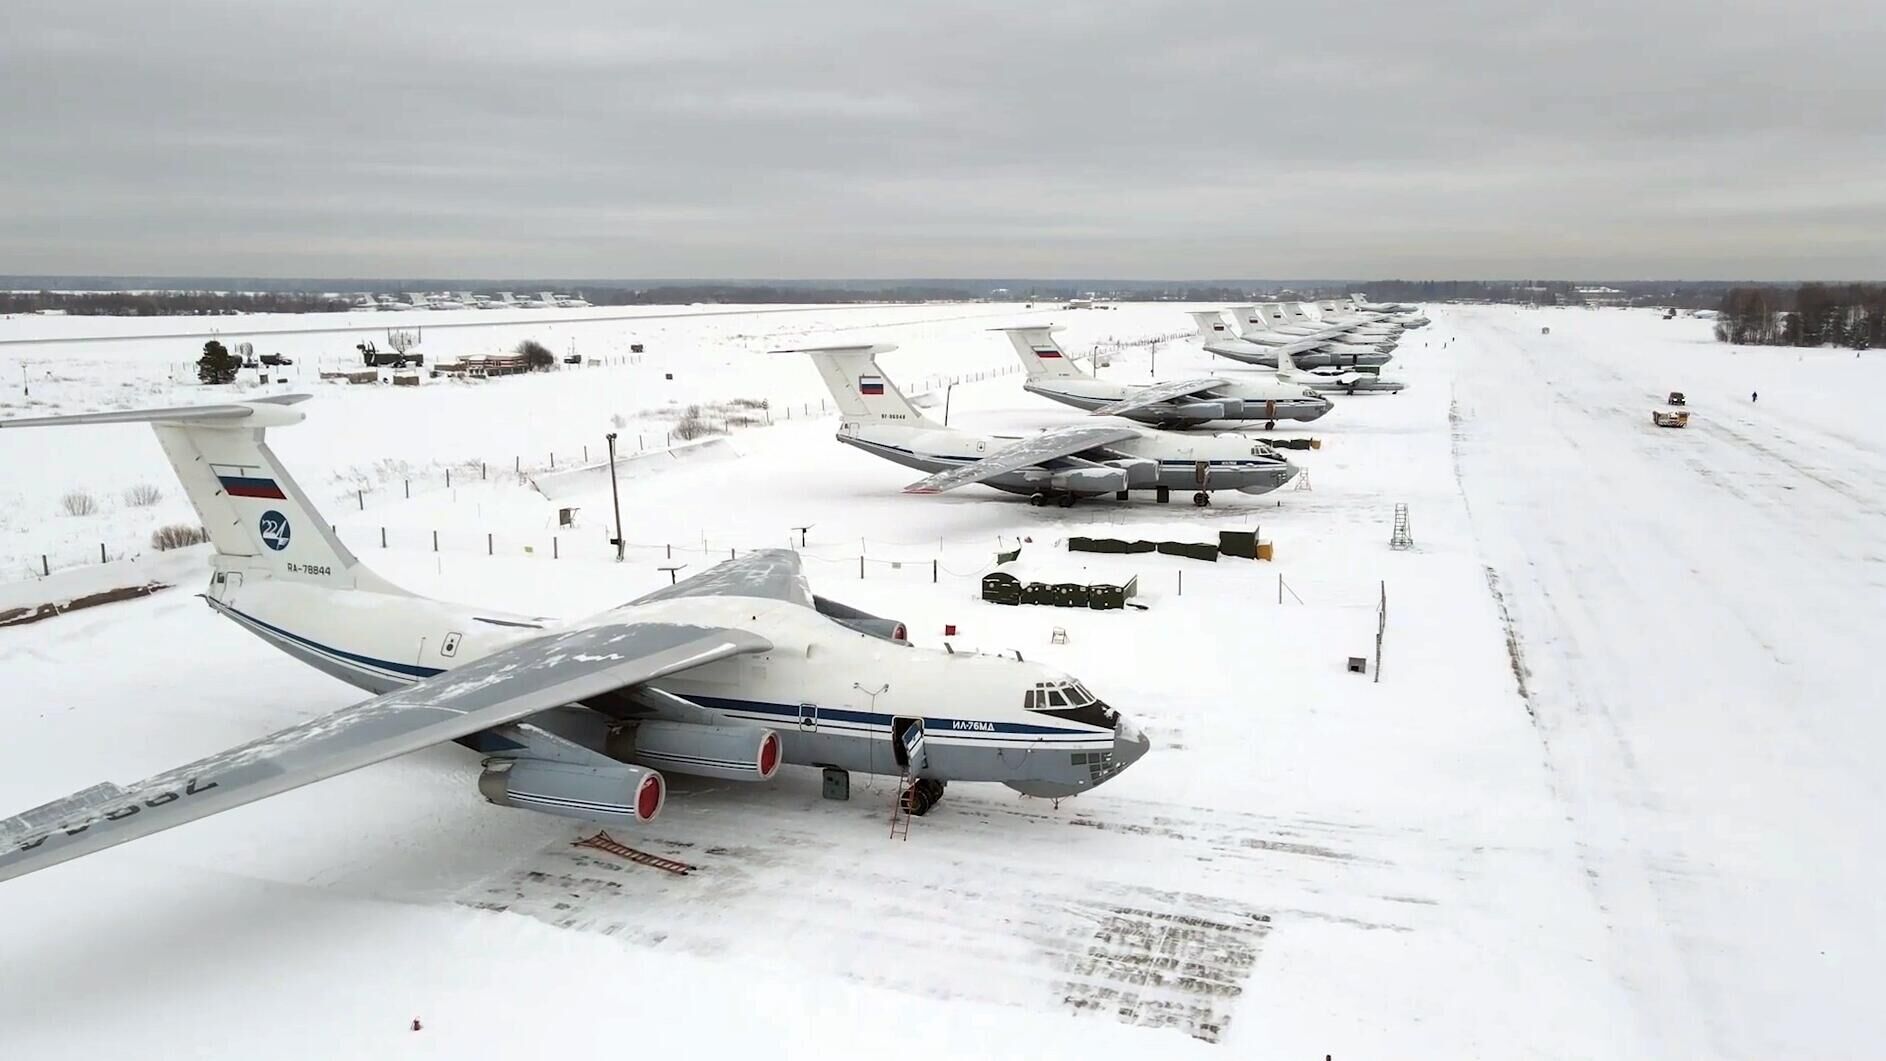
773 573
503 687
1026 453
1158 394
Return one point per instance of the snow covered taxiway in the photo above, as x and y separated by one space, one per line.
1611 796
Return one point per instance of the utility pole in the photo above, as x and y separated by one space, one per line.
802 531
615 497
946 403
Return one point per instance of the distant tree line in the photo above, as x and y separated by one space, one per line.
1681 294
1849 315
167 303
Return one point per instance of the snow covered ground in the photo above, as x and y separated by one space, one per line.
1652 838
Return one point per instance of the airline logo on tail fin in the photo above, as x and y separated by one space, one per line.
274 530
871 384
241 481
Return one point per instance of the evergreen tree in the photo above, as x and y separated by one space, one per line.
217 365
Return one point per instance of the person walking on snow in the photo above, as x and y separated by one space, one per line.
1752 395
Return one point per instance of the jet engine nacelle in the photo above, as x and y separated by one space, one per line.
1140 471
1089 480
861 621
729 753
620 795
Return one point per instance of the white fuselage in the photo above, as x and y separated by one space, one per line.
811 688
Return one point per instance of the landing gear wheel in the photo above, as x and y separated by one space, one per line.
1201 499
1065 500
1037 499
921 796
1270 425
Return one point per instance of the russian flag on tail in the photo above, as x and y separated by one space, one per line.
871 384
1047 351
237 482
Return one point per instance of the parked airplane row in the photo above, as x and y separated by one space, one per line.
1128 451
467 300
725 675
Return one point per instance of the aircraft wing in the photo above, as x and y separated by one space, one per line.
774 573
503 687
1158 394
1026 453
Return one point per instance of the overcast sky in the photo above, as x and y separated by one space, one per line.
833 138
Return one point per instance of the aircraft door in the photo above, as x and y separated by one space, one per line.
907 744
1201 472
224 584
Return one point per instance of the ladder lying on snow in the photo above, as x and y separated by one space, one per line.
602 841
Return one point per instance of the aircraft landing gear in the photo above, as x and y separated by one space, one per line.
1037 499
1065 500
922 794
1270 425
1201 499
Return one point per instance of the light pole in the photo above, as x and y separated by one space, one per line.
615 497
802 531
946 403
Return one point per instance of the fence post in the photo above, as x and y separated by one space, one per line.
361 496
490 548
481 469
1280 587
671 550
586 454
448 478
553 460
1181 583
45 566
101 553
861 569
382 537
517 464
435 541
553 548
933 572
409 489
730 554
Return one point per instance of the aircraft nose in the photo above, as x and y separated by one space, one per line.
1129 745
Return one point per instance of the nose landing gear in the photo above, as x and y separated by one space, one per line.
1201 499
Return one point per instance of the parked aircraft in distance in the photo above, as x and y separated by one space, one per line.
1265 348
1172 403
1064 464
725 675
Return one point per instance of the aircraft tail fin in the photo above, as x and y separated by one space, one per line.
1294 312
858 386
1211 325
1041 356
250 506
1247 320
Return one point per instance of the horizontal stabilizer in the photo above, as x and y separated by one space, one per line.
262 412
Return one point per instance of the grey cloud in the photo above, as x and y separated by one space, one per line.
843 138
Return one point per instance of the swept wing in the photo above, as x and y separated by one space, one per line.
1159 394
1026 453
500 688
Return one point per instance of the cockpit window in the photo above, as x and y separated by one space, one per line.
1071 701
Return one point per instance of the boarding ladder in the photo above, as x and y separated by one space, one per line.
900 811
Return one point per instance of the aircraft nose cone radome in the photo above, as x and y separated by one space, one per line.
1129 748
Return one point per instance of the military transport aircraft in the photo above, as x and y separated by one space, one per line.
1171 403
1062 464
726 675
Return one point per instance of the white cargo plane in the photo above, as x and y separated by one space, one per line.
1260 347
563 301
1062 464
1404 312
528 302
1173 403
725 675
1289 319
1328 379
